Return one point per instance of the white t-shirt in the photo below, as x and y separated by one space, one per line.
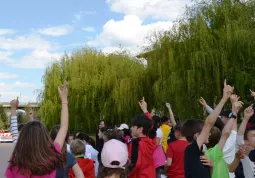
91 153
248 165
229 150
160 135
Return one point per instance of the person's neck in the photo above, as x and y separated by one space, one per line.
182 138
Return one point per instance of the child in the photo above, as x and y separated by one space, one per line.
197 136
141 148
114 159
175 155
87 165
34 148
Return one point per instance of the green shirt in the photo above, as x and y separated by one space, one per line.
220 169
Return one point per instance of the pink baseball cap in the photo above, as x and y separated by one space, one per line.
114 151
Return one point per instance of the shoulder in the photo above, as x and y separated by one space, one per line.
193 147
57 146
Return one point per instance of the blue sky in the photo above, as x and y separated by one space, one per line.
32 34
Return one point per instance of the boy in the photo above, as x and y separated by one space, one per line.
141 148
175 155
86 165
197 136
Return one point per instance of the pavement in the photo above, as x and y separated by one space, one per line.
5 153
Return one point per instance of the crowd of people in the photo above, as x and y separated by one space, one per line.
149 147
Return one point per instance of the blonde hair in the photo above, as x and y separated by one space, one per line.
77 147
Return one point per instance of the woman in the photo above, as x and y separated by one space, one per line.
99 141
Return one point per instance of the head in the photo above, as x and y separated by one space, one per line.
35 148
125 129
77 147
101 132
164 120
101 124
225 116
141 126
20 127
156 123
191 129
114 158
83 137
249 136
110 134
70 139
178 131
214 137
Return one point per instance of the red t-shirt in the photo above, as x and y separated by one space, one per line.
176 152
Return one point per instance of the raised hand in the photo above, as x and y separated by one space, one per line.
236 106
248 112
202 102
143 105
234 98
63 92
227 91
168 105
15 103
252 93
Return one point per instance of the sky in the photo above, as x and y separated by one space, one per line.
35 33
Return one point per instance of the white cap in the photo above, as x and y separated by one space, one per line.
123 126
114 150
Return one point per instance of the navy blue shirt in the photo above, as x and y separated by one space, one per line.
70 162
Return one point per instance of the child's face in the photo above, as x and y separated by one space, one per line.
136 132
70 139
251 138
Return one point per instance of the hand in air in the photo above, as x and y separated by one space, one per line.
143 105
15 103
248 112
63 92
168 105
202 102
228 90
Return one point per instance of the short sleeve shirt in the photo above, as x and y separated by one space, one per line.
70 162
160 135
220 168
193 167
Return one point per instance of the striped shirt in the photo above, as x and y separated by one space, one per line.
14 129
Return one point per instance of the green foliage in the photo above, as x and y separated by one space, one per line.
213 41
100 87
3 118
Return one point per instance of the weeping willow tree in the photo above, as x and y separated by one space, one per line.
100 87
213 40
3 118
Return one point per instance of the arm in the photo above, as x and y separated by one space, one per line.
77 171
143 105
171 114
210 120
236 106
204 104
170 153
14 121
247 115
60 139
232 167
168 164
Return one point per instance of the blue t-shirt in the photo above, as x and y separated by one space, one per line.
70 162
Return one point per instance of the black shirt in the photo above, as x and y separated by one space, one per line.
193 167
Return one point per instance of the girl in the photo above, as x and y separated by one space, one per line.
35 155
99 142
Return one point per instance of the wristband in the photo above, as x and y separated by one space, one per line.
64 102
231 115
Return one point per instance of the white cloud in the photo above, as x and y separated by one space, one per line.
57 31
89 29
129 33
4 56
6 31
7 75
25 42
37 59
157 9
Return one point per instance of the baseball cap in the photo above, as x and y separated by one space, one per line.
123 126
114 154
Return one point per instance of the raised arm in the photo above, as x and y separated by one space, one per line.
247 115
14 121
204 104
143 105
236 106
63 93
171 114
210 120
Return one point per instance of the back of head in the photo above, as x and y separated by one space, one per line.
20 127
77 147
114 158
190 128
34 149
164 119
156 123
83 136
143 121
113 134
214 138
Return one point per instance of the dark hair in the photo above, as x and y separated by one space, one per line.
214 137
164 119
177 119
178 127
143 121
107 172
156 123
114 134
92 142
33 151
77 147
20 127
83 136
53 134
247 131
190 128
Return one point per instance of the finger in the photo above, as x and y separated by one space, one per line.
225 83
143 98
251 91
